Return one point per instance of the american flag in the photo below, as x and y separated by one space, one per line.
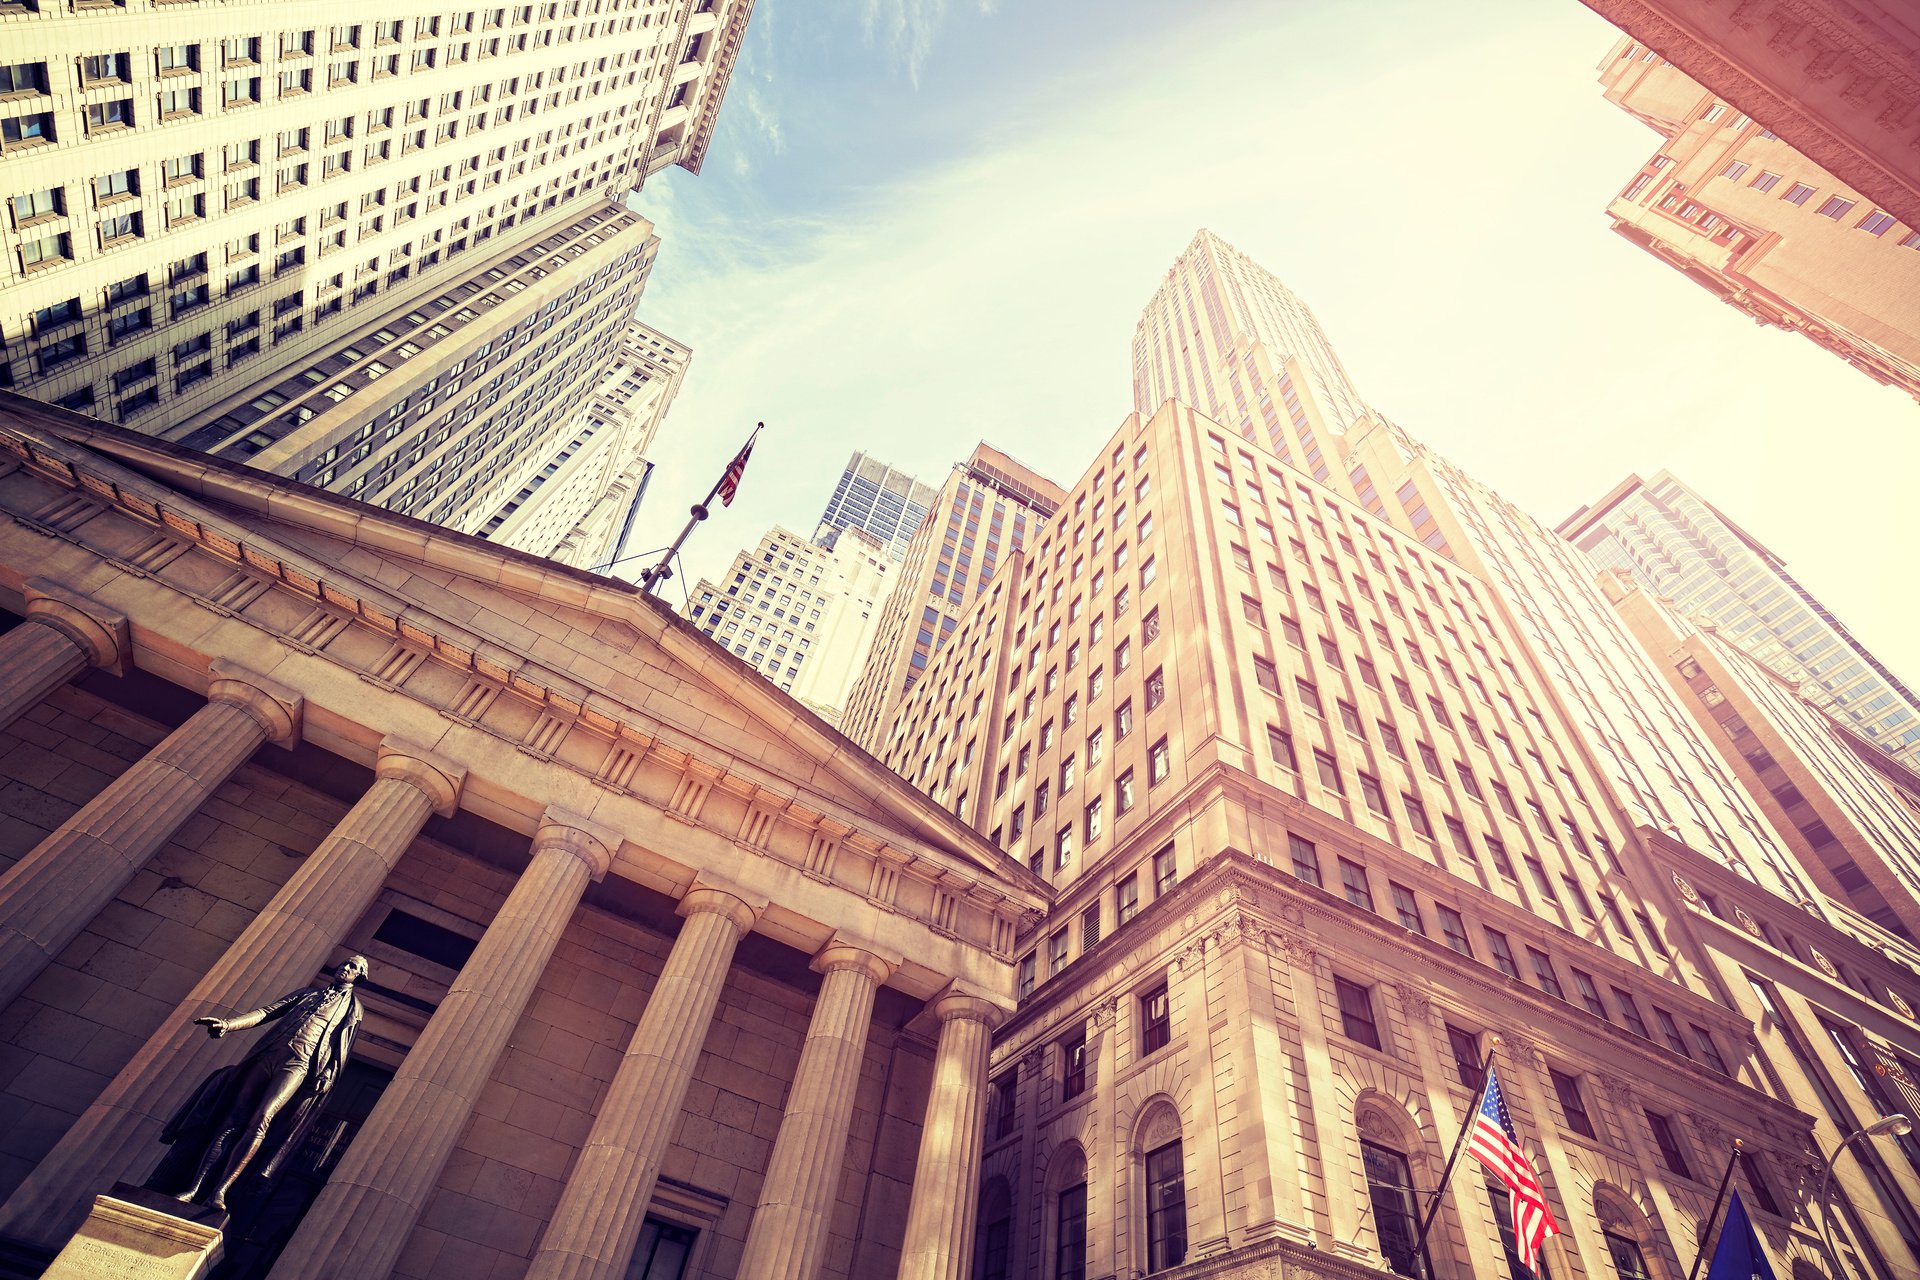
1494 1145
730 482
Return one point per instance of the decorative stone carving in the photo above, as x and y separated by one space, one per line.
1414 1001
1900 1004
1162 1127
1746 922
1687 891
1826 965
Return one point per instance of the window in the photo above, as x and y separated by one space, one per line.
1329 772
1006 1102
1123 792
1567 1089
1159 762
110 115
1166 1207
38 204
1669 1144
20 131
1543 975
1280 745
1797 193
1835 207
1671 1031
1073 1065
1070 1234
1266 676
1356 1012
1466 1056
1156 689
1502 953
1353 883
1395 1211
1029 970
1309 696
1126 899
1123 720
1766 181
1877 223
1625 1253
1589 994
1709 1051
1370 792
1630 1014
1453 927
1306 859
1407 908
112 186
1763 1195
1165 872
1156 1020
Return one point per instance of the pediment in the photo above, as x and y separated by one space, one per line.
601 666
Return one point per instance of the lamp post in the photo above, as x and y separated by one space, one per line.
1895 1125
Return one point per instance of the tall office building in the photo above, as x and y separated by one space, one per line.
801 614
172 171
579 506
1679 546
1331 790
886 502
1763 227
989 508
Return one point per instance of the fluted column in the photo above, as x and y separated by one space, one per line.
362 1218
946 1177
789 1233
51 894
287 943
596 1225
64 634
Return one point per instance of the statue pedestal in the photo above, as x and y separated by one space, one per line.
137 1234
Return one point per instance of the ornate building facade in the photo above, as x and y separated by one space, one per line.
1344 783
667 980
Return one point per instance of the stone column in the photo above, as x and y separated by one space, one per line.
63 635
946 1177
788 1237
287 943
596 1225
51 894
362 1218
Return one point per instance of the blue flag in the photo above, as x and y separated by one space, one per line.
1739 1256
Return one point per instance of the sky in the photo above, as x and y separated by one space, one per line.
926 223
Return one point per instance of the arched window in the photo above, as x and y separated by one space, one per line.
1396 1218
1628 1263
1166 1182
1070 1233
993 1243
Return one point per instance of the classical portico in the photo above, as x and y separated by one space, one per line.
683 881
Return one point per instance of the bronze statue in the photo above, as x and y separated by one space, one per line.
262 1105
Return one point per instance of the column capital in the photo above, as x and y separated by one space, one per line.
588 841
440 778
101 632
274 705
706 899
954 1005
839 955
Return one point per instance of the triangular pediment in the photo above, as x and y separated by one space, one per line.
591 651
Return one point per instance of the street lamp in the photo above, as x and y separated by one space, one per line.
1896 1125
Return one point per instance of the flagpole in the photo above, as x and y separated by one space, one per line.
1459 1145
664 570
1719 1198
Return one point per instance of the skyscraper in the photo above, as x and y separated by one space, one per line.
803 615
202 209
1338 779
1763 227
578 507
886 502
1680 546
989 508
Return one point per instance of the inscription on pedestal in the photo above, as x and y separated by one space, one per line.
136 1234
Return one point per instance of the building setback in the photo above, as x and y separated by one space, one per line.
1679 546
885 501
1333 782
665 975
1761 226
802 614
988 508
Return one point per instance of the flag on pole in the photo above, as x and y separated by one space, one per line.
730 482
1495 1145
1739 1256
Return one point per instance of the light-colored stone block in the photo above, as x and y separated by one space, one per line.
135 1234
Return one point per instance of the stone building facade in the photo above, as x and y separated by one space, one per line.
1339 778
667 979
